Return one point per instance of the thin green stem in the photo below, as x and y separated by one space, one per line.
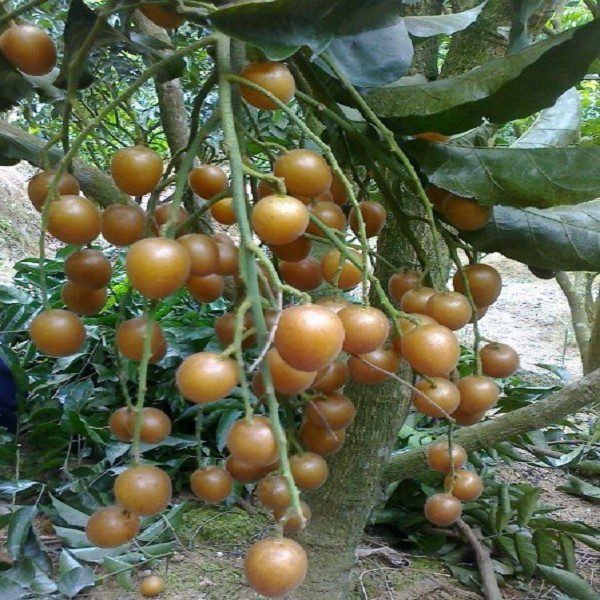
198 426
238 336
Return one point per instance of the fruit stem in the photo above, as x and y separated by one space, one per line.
198 425
278 181
238 334
388 136
185 167
450 434
191 220
248 267
120 363
142 381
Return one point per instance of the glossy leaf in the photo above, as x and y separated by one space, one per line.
18 530
565 238
521 177
73 576
568 583
426 26
280 27
502 90
557 126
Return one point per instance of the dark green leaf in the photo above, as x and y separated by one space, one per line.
557 126
14 86
504 509
18 530
564 526
280 27
73 576
568 583
73 538
526 551
521 177
70 515
10 589
426 26
547 552
588 540
228 418
567 551
527 505
122 571
507 545
581 488
504 89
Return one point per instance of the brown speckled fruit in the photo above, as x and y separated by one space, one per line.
225 329
366 328
207 181
465 485
162 16
442 509
400 283
83 301
374 215
463 418
118 424
279 219
286 379
206 289
228 259
136 170
123 224
275 567
408 323
162 215
155 426
38 186
151 587
211 484
294 251
332 378
309 336
272 491
203 251
334 411
478 393
222 211
304 275
465 214
310 470
28 48
374 367
74 220
436 196
88 268
349 274
252 441
111 526
485 283
57 332
438 457
206 377
338 190
243 472
437 397
290 519
321 441
306 173
498 360
157 267
415 300
331 216
144 490
274 77
450 309
432 350
130 339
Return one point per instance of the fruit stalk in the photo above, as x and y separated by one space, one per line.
238 337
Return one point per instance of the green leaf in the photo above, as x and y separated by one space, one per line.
564 526
527 505
502 90
565 237
568 583
521 177
70 515
73 576
557 126
547 552
14 86
426 26
18 530
73 538
504 509
581 488
228 418
122 570
526 551
507 545
567 551
588 540
280 27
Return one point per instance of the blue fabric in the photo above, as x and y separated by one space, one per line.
8 398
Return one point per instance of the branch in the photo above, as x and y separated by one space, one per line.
489 584
94 183
570 399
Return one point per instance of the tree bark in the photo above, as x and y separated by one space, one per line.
95 183
567 401
592 358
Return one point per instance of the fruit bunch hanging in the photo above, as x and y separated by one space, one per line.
289 352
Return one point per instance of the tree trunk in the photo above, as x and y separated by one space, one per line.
592 358
567 401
